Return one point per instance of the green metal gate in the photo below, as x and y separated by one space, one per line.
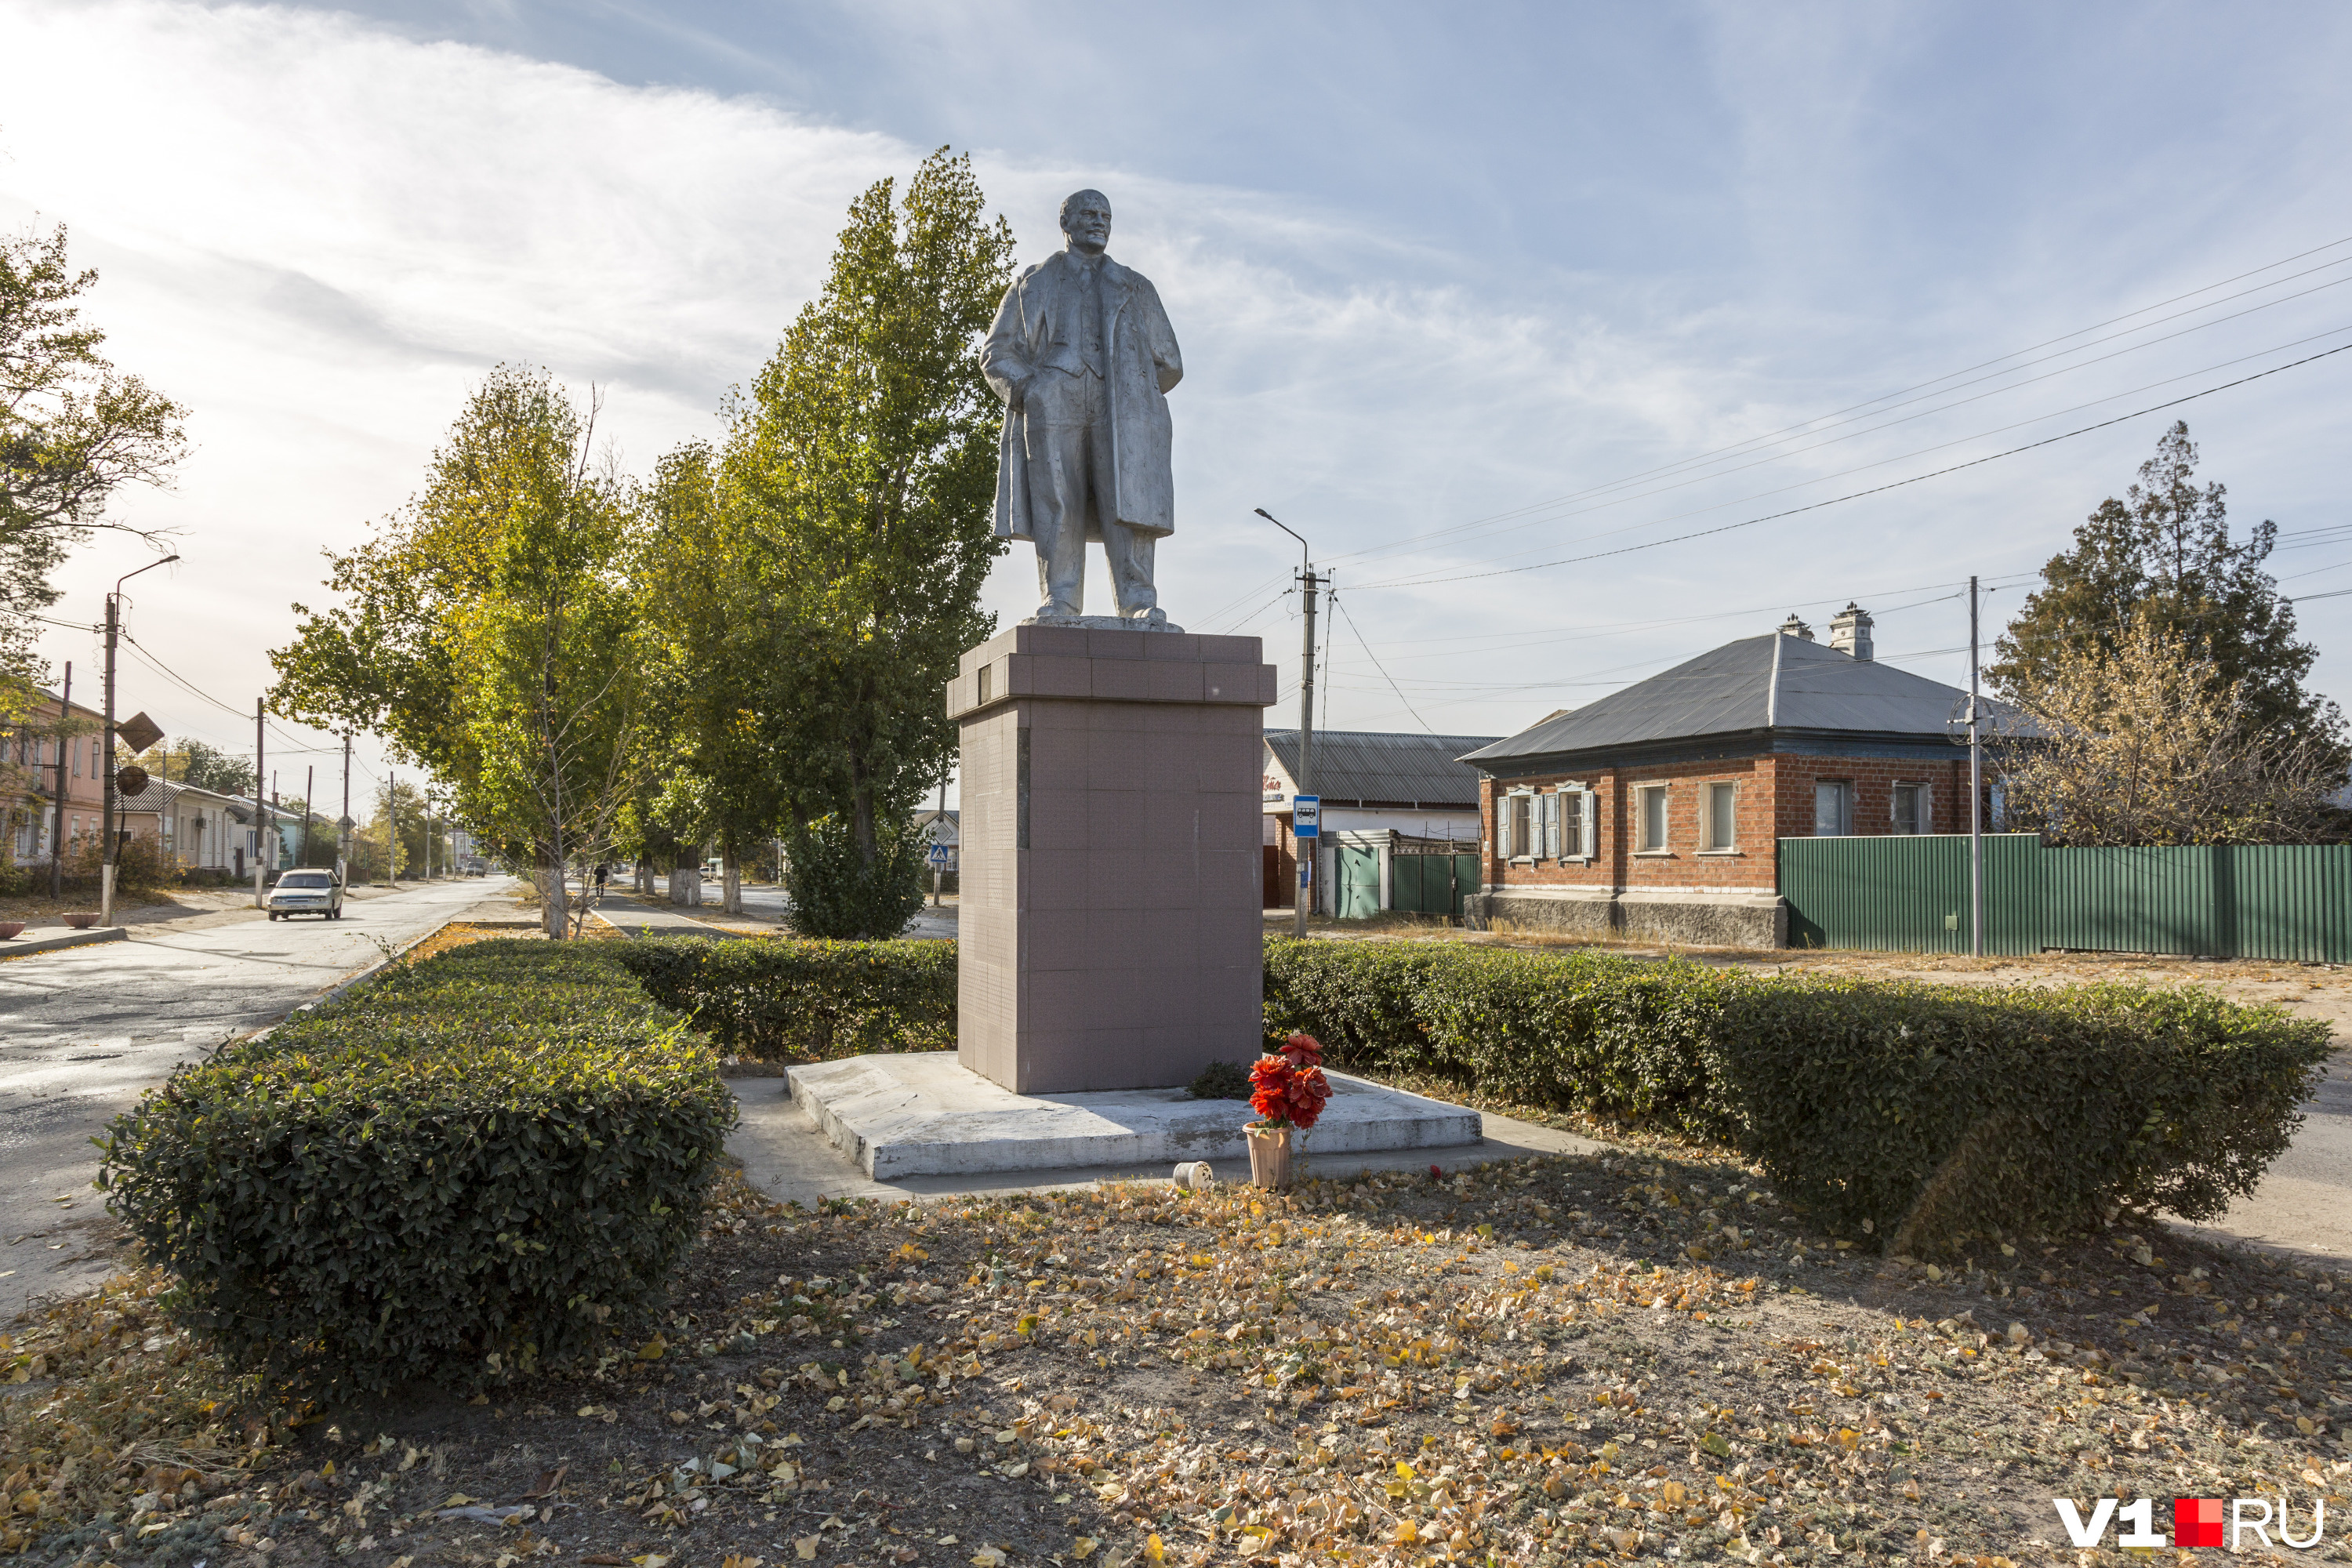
2291 903
1432 884
1358 882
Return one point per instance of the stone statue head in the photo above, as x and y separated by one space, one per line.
1086 218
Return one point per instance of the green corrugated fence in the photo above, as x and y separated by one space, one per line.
2292 902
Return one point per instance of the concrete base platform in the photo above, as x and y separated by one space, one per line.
923 1114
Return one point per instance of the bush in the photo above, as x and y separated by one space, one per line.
1916 1115
836 896
771 998
465 1166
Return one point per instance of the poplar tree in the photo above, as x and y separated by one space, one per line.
859 477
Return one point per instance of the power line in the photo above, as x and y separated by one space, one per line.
1875 490
1806 426
1376 665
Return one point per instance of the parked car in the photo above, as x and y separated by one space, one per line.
307 893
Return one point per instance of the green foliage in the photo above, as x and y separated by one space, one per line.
839 894
859 478
808 1000
1930 1113
1221 1080
483 1155
2161 560
72 433
493 633
199 766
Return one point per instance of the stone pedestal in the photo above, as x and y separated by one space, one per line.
1109 933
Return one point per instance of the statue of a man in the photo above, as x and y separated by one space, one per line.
1082 355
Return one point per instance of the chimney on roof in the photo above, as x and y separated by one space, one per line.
1793 627
1850 632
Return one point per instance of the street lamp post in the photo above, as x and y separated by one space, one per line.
113 848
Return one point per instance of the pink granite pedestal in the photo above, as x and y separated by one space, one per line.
1109 934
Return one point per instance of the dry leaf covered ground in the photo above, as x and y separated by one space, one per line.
1631 1356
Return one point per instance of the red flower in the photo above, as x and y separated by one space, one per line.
1284 1090
1303 1051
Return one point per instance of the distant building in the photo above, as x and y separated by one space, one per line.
1371 782
1657 810
29 754
943 828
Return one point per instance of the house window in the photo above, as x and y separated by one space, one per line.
1832 808
1650 819
1911 813
1519 842
1572 820
1720 823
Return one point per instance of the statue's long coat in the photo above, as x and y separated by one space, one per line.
1038 331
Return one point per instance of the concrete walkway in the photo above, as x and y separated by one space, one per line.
764 909
2303 1205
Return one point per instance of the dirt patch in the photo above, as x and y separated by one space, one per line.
1533 1362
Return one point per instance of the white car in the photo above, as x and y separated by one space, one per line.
307 893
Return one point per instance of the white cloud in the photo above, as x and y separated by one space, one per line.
318 234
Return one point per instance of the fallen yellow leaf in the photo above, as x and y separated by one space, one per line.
806 1547
1084 1547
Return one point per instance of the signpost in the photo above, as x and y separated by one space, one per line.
1306 822
937 856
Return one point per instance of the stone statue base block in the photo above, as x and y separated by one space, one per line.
1102 623
1110 928
923 1114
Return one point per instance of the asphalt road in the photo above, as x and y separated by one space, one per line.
83 1031
2305 1201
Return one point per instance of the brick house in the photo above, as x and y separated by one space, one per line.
1656 811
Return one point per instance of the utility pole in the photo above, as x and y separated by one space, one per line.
940 826
1303 900
1976 791
310 809
392 833
260 896
112 856
343 823
57 834
106 755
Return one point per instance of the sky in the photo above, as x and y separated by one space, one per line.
1496 305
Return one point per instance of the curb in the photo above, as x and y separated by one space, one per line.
19 947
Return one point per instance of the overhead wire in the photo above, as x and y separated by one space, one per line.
1814 424
1872 490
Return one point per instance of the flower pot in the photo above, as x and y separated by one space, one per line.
11 928
1269 1150
81 922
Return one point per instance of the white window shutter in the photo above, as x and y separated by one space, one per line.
1591 810
1551 824
1503 827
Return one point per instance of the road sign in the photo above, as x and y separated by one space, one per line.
939 854
137 731
1307 815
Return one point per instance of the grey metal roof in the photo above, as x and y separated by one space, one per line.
1771 682
1368 765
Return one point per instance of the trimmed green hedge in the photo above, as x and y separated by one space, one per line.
1910 1115
773 997
467 1164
